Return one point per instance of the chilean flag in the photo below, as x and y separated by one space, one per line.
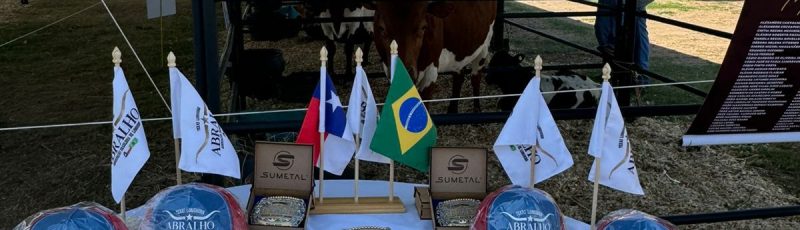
339 145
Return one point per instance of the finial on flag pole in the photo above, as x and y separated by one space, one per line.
116 56
171 59
393 46
359 56
606 72
323 55
537 65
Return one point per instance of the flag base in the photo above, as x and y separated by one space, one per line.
365 205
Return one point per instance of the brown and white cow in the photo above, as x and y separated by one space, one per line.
437 37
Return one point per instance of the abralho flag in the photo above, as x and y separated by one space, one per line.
204 146
405 131
609 144
327 109
129 149
531 123
362 117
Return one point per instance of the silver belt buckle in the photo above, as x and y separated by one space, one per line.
456 212
282 211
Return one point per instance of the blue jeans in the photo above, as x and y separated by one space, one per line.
605 29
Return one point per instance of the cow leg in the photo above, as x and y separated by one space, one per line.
427 93
476 91
331 46
348 53
367 45
458 81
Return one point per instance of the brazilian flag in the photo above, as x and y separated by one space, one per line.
405 131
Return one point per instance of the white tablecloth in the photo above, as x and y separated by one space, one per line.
344 188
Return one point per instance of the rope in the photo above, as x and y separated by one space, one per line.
565 91
49 25
304 109
136 55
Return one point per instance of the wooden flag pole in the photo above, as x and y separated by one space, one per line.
394 52
537 65
359 59
171 63
323 57
177 161
355 179
122 208
606 76
116 58
391 181
595 192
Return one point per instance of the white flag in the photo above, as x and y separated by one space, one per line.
530 123
129 149
610 145
204 146
362 117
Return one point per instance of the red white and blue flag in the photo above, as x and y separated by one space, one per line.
339 145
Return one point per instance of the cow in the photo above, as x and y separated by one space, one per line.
437 37
511 77
349 33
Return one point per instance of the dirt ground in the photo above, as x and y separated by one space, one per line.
722 15
54 167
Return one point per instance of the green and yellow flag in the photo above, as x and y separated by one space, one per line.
405 131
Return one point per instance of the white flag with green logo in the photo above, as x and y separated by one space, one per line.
362 115
531 129
609 144
129 149
204 146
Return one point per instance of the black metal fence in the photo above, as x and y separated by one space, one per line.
208 79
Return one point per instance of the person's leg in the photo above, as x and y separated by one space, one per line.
605 26
642 55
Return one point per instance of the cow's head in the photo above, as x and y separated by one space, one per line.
417 28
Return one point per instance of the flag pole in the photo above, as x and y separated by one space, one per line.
391 181
606 76
359 59
323 57
594 193
355 184
116 58
394 53
122 208
177 161
537 65
171 64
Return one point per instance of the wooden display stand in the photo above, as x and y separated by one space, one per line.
365 205
356 204
456 173
282 169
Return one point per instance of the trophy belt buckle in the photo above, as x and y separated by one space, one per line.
456 212
282 211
